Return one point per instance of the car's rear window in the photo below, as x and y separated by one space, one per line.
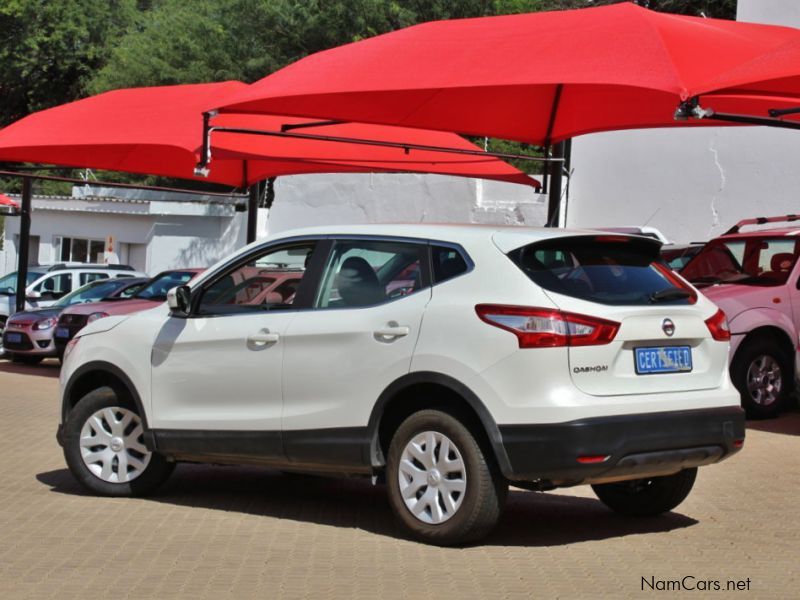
613 270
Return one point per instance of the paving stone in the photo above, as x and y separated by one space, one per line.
245 532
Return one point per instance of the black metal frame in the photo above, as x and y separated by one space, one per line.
691 109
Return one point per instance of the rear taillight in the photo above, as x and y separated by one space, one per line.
548 328
718 326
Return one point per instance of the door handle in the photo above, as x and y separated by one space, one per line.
392 332
262 338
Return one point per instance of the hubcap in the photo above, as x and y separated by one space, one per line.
764 380
432 477
112 445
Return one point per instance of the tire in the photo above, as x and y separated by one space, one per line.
26 359
647 497
91 417
458 500
3 353
757 370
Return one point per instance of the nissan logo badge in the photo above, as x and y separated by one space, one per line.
668 326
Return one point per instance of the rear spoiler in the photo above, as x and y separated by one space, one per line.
762 221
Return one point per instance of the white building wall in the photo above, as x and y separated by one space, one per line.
692 184
307 200
197 236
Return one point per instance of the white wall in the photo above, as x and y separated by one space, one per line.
692 184
307 200
160 241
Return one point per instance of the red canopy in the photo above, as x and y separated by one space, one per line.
539 77
158 131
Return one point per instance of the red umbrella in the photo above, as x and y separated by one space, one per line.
158 131
540 77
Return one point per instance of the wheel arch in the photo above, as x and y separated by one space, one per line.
769 332
96 375
411 393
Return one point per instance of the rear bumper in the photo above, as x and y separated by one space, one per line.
635 446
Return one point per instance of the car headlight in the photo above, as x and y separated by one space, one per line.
45 323
95 316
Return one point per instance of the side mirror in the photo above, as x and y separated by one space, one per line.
179 300
33 296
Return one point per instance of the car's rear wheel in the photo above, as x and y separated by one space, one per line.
762 374
104 447
649 496
442 485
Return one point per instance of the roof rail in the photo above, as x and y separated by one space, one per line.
761 221
59 266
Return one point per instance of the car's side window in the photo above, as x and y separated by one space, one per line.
85 278
55 286
447 263
265 282
366 273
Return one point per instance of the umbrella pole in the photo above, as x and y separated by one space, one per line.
24 241
554 190
252 213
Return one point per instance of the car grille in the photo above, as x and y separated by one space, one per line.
73 320
23 344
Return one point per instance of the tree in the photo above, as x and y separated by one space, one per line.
49 50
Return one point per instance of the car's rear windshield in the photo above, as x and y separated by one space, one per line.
760 261
614 270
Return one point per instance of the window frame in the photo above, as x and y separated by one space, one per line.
425 267
309 286
302 297
452 246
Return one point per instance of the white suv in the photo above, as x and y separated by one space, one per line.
448 361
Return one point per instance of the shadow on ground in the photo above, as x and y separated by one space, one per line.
46 368
787 424
531 519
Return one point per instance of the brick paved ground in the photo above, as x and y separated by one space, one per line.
229 532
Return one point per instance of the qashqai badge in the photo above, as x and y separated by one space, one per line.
668 326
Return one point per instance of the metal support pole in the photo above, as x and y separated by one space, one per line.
252 212
554 191
24 242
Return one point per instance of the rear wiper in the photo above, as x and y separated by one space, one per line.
669 294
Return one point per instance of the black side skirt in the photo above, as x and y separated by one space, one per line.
342 450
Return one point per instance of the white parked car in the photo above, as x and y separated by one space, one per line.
446 360
46 285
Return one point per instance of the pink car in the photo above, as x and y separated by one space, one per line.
754 278
75 318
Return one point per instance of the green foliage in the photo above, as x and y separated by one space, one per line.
50 49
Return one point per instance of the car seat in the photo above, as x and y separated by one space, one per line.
358 283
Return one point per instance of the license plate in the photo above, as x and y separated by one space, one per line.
663 359
14 338
62 332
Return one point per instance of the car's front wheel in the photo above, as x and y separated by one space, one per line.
105 450
442 484
649 496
